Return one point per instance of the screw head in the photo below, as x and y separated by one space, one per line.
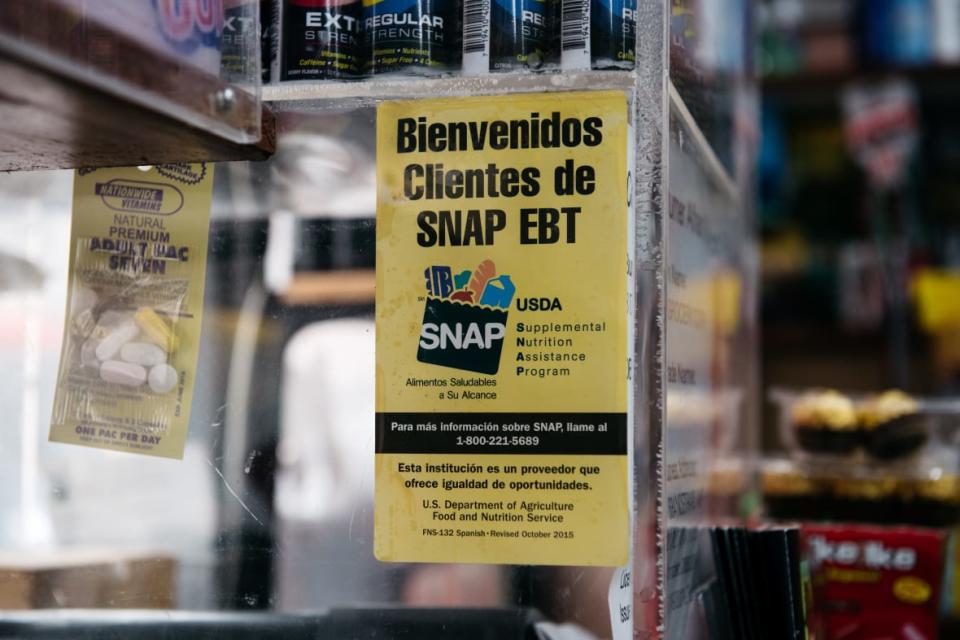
224 100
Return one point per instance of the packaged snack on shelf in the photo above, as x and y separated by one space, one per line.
825 421
138 248
790 494
876 582
887 426
921 492
893 425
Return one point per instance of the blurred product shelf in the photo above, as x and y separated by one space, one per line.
809 87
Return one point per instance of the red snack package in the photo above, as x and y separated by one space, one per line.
875 583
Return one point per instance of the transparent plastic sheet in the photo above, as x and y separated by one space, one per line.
564 594
710 366
203 55
709 277
649 126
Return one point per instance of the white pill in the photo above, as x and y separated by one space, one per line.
145 354
125 373
88 355
163 378
111 344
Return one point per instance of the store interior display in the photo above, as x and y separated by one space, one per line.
880 427
534 319
924 496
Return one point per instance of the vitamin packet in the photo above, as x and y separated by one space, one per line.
138 255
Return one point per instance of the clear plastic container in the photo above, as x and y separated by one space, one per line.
197 61
860 428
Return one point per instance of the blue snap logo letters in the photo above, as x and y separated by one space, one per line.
465 317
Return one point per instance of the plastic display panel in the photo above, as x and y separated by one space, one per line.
709 364
271 508
273 505
710 58
701 212
197 61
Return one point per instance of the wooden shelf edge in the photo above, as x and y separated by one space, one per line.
331 287
48 121
78 93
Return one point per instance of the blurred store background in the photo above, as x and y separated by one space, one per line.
859 196
859 224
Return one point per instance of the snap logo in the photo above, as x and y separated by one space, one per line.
465 317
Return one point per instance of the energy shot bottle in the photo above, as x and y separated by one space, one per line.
414 37
598 34
507 35
321 39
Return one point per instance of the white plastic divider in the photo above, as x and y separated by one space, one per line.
364 92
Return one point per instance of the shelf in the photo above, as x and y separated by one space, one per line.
366 92
331 287
724 182
812 88
49 122
76 94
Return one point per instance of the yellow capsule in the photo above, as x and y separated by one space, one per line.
157 329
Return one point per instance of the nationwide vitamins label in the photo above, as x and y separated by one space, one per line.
501 432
